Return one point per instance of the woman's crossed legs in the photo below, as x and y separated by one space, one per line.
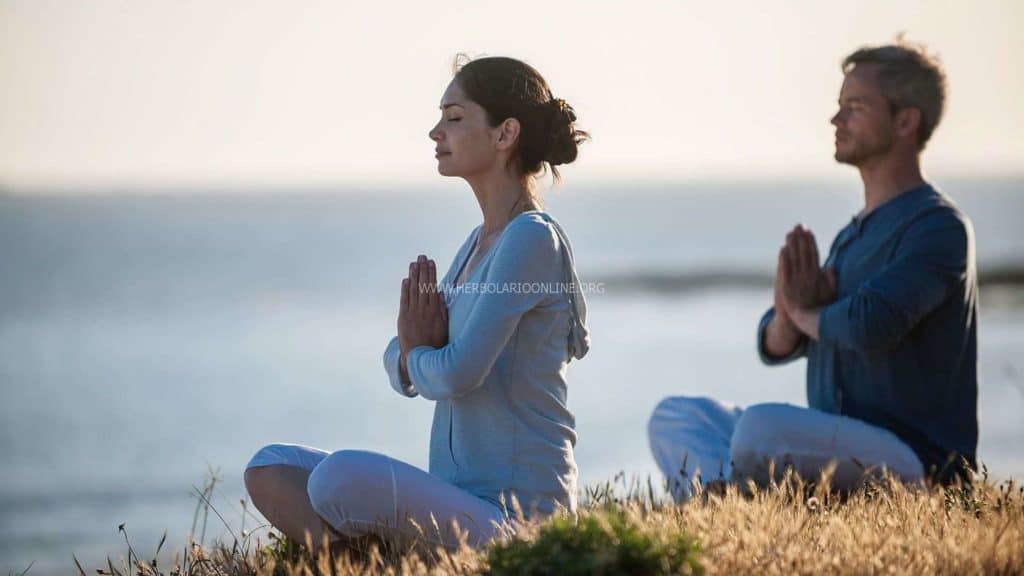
351 494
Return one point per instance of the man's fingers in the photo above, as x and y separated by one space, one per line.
792 252
784 266
815 256
810 252
807 261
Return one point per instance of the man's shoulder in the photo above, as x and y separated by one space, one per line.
938 225
937 210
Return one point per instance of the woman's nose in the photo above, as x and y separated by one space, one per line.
434 134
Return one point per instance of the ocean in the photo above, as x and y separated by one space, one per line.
149 340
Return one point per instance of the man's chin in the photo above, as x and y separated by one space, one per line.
845 158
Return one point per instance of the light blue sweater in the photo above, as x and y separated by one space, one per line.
501 425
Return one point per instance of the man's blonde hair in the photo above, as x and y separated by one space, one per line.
910 77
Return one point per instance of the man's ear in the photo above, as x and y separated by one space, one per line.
507 134
908 120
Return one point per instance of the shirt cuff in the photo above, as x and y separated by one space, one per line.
392 360
766 356
412 362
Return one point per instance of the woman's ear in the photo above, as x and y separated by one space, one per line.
507 134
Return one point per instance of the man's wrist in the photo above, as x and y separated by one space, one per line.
783 326
781 337
806 321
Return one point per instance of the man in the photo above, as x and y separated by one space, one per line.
888 326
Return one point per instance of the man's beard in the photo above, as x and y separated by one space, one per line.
861 153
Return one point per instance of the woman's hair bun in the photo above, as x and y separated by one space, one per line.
565 138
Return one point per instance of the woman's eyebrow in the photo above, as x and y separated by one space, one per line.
449 105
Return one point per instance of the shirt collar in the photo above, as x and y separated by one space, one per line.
895 208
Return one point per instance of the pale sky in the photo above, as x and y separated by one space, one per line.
186 93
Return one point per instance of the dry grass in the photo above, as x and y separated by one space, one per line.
789 528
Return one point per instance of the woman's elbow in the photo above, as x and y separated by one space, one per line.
450 386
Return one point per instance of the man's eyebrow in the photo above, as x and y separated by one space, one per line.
853 100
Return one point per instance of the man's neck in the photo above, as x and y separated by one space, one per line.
886 178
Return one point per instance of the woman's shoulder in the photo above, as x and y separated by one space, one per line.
534 231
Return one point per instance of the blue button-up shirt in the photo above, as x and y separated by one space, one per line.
898 348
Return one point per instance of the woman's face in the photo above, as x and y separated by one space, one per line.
465 144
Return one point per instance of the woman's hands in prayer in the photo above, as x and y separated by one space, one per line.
423 312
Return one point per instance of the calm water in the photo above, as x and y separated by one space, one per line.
144 341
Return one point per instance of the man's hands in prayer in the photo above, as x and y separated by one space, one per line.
422 313
802 287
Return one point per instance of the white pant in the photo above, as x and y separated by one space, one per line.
361 493
704 439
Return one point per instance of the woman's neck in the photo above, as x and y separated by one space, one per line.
501 197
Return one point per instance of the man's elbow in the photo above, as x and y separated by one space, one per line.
878 334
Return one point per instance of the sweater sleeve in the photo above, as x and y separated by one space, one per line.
527 259
931 260
392 357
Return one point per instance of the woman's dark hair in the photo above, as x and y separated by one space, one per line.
508 88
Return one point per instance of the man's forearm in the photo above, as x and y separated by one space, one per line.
781 337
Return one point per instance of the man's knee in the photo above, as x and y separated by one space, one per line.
756 442
675 409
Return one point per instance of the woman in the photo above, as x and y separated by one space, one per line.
489 344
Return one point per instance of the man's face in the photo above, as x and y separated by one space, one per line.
864 123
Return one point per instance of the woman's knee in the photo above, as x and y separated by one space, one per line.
256 473
266 465
269 455
340 479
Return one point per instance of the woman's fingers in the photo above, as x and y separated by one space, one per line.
403 306
411 298
432 284
421 282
